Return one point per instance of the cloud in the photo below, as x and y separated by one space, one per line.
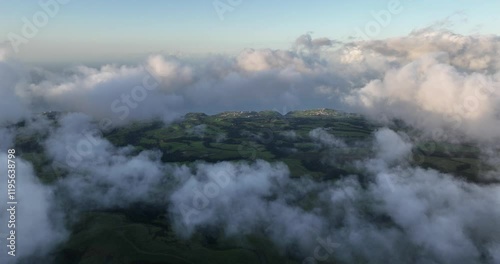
100 175
121 94
435 97
391 147
290 135
322 136
307 42
470 53
412 215
243 199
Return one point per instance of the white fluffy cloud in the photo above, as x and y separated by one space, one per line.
99 174
243 198
435 97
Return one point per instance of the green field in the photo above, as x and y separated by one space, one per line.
143 234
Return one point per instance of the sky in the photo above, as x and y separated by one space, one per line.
90 31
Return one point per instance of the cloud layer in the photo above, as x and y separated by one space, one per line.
442 85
